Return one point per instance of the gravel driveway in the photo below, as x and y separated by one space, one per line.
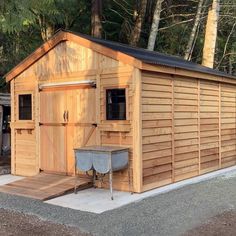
173 213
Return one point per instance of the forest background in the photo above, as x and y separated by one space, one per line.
175 27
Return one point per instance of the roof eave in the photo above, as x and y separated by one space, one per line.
187 73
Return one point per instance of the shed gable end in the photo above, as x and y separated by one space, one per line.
67 59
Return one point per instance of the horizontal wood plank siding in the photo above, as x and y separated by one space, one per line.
228 125
187 130
157 129
209 126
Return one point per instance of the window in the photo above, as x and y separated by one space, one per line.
115 104
25 107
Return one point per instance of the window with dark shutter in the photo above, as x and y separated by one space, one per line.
115 104
25 107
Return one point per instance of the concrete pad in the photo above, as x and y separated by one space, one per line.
98 200
6 179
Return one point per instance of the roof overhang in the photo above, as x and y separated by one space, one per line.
187 73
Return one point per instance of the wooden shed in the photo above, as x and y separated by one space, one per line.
177 118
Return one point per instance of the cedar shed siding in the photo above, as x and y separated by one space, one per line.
67 62
23 133
180 116
188 127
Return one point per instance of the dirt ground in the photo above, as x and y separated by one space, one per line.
220 225
17 224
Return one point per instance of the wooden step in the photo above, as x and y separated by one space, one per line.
45 186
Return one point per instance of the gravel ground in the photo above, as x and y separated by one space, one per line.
220 225
18 224
173 213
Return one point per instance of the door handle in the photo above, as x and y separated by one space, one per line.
64 116
67 116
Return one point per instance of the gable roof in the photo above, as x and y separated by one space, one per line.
127 54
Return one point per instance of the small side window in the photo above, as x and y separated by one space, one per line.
25 107
115 104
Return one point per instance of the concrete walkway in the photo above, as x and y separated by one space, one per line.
99 200
171 213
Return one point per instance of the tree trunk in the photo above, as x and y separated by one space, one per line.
136 32
155 25
96 15
47 30
189 48
230 71
211 35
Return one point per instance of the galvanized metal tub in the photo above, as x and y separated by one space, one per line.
84 160
101 158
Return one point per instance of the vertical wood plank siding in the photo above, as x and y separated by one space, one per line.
189 128
118 79
70 61
23 140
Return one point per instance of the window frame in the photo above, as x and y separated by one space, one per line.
126 87
18 107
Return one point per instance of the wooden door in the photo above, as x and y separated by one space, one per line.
52 107
81 107
53 132
53 149
61 134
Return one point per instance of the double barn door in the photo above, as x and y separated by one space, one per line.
66 118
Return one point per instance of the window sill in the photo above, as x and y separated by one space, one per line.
115 127
23 125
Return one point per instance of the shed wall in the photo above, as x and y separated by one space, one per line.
117 132
69 61
188 128
23 133
66 61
